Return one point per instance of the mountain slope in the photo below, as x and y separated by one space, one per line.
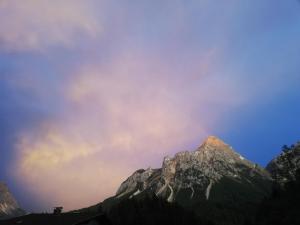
214 181
194 175
283 167
283 206
8 205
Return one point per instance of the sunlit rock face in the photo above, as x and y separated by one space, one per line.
284 167
138 181
8 205
213 172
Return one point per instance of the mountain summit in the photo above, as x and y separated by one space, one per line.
212 176
215 142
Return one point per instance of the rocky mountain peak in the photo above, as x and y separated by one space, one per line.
214 142
8 205
215 146
195 174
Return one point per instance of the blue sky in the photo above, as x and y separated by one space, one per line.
92 90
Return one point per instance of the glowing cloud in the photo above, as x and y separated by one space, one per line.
37 24
118 118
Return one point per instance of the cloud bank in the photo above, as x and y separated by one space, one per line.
117 118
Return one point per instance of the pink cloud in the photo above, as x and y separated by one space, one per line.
35 25
118 117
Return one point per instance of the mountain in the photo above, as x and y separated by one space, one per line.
212 185
214 181
8 205
284 167
283 205
191 176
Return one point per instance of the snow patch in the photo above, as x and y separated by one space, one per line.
7 209
170 198
208 189
193 192
135 193
161 189
122 194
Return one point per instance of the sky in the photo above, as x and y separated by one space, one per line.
91 91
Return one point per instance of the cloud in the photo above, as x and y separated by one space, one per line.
38 24
118 117
121 115
55 162
130 99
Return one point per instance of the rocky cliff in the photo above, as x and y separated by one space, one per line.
213 172
285 166
8 205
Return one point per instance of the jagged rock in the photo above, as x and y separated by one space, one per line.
283 168
8 205
204 174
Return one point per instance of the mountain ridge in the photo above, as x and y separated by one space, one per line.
8 205
213 175
284 166
210 185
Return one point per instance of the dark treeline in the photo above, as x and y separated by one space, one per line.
152 211
283 206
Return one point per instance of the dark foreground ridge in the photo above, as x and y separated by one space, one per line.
49 219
